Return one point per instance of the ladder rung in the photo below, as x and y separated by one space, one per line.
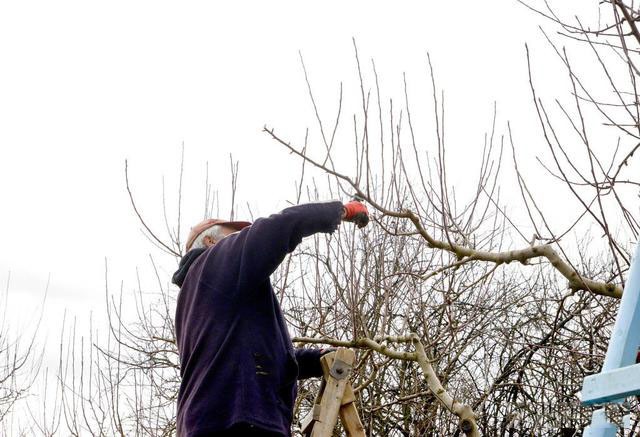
610 386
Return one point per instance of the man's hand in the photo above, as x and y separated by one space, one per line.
327 350
356 212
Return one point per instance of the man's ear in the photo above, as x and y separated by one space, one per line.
208 241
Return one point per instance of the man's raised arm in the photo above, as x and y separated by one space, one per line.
270 239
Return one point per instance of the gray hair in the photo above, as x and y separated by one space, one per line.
216 232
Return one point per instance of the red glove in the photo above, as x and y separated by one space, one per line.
356 212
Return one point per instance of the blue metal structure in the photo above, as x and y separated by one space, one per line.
620 376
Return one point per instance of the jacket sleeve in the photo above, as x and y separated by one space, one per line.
308 363
270 239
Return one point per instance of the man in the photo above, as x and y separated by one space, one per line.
237 362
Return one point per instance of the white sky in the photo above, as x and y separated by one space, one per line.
85 85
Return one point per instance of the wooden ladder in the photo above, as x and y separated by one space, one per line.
335 398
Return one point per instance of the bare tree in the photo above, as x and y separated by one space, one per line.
512 343
20 361
463 321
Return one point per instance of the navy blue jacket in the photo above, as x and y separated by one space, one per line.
237 361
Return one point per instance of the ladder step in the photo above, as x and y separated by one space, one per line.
611 386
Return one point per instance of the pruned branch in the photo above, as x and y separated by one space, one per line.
576 281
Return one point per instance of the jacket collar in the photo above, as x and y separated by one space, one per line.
185 263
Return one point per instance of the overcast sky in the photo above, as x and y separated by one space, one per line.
85 85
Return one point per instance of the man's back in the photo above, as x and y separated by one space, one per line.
237 361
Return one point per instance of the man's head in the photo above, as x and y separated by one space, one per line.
208 232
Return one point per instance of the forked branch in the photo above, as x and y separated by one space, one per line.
466 416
